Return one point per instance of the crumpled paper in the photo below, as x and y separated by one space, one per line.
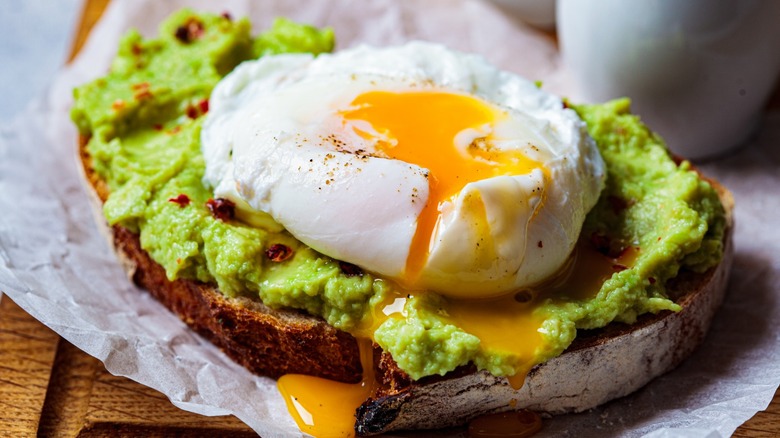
56 265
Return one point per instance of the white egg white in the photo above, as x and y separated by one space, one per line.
275 142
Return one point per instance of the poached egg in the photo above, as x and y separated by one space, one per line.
423 165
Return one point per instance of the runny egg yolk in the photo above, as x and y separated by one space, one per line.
421 127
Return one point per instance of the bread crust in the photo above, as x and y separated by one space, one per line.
599 366
268 342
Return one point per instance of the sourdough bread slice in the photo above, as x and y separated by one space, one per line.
599 366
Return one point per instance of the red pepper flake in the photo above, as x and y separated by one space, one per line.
189 31
540 244
118 104
618 267
141 91
175 130
651 280
136 49
221 208
183 200
192 112
226 15
278 252
158 127
350 270
141 95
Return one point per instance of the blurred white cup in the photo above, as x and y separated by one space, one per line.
538 13
697 71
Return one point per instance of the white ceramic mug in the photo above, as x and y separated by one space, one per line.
698 71
539 13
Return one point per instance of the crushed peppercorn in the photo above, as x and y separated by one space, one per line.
189 31
350 270
278 252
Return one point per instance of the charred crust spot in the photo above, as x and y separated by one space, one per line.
375 415
221 208
278 252
350 270
183 200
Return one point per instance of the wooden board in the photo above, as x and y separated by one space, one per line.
48 387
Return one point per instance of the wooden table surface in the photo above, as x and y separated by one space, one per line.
48 387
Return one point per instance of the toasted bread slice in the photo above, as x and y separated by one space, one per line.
599 366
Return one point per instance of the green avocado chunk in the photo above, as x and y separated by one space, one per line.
143 121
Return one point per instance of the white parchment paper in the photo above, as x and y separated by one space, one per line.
56 266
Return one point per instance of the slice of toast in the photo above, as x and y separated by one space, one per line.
599 366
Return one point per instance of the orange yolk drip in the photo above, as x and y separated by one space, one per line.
326 408
509 324
502 324
586 272
422 126
520 424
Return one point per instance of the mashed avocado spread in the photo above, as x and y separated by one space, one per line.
144 119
